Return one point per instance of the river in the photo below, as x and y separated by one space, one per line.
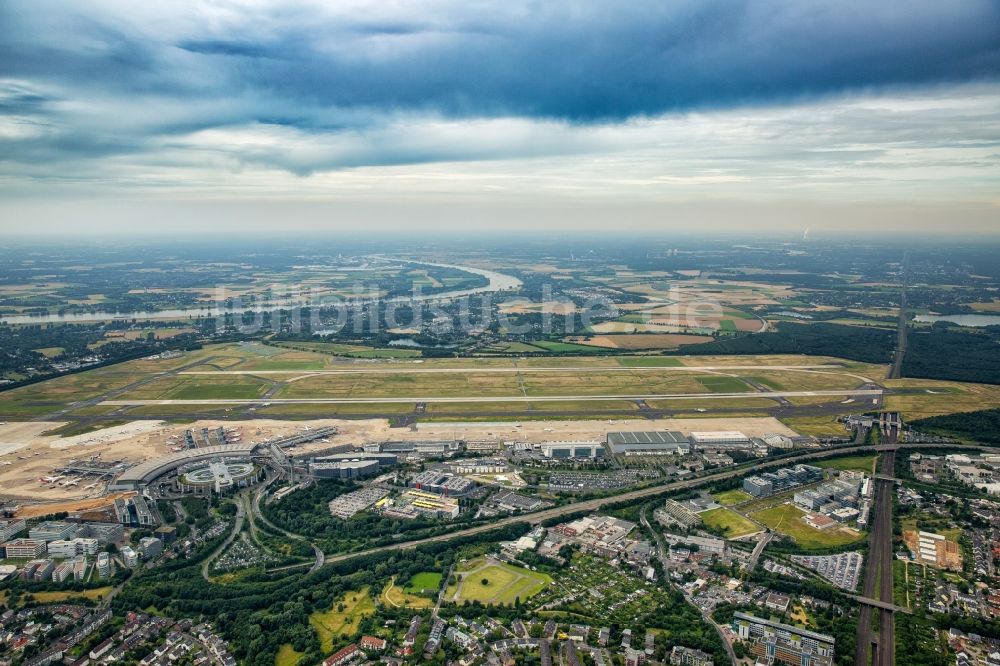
497 282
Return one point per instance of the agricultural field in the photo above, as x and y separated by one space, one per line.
337 621
787 519
733 524
492 582
669 341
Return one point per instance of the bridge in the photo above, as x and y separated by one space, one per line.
884 605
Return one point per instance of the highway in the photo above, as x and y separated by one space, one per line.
896 370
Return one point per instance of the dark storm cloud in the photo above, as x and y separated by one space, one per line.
315 86
555 60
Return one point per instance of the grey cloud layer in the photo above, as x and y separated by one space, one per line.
172 94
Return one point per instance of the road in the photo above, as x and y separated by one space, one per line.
765 538
661 554
896 370
237 527
257 514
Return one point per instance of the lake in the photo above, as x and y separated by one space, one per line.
971 320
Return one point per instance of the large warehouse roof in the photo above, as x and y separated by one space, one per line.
149 470
653 440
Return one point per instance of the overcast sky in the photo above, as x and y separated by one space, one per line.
272 114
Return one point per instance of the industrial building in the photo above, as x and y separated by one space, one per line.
427 504
344 469
775 642
479 466
716 437
568 450
442 483
657 442
383 459
423 448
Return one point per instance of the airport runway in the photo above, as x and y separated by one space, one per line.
509 398
407 370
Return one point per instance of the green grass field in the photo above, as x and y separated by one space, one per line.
733 523
731 497
504 583
787 519
860 463
397 597
649 362
425 582
287 656
563 347
722 384
335 622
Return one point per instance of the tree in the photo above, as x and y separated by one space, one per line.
485 582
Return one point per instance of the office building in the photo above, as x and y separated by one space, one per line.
52 530
10 528
780 643
24 548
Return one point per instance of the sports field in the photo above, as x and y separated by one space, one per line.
728 520
489 581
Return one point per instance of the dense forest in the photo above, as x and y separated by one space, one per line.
857 343
981 426
947 352
306 512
